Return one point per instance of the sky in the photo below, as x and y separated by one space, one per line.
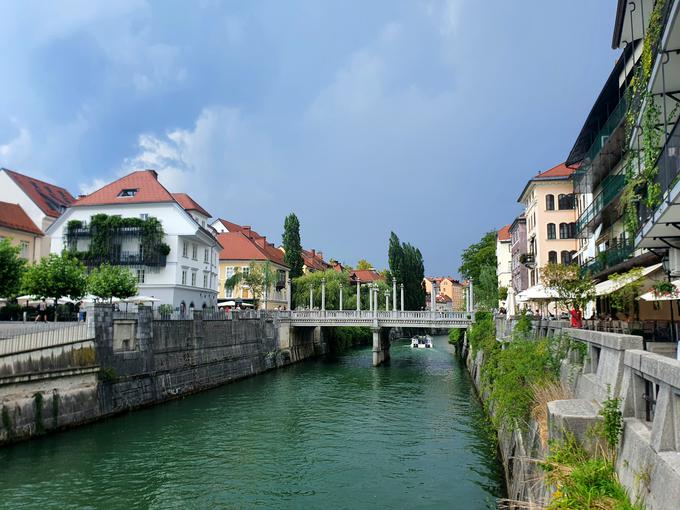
425 118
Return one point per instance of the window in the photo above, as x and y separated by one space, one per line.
566 257
184 276
565 231
129 192
565 201
140 275
194 252
551 231
246 272
552 257
144 216
572 230
185 249
205 280
206 255
228 272
550 202
229 292
193 278
23 253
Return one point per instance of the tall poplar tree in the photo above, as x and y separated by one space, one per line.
292 245
406 265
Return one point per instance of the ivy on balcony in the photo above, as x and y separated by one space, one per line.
107 234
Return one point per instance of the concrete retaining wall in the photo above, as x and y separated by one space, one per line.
49 390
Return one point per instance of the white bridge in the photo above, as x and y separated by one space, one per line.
380 323
378 319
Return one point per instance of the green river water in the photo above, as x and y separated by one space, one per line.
321 434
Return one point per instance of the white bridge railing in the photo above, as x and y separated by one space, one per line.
45 335
368 315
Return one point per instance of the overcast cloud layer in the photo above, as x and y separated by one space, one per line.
422 117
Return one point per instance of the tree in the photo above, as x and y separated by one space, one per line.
566 280
260 277
630 283
292 245
107 282
56 276
12 268
406 265
364 264
486 291
478 256
333 281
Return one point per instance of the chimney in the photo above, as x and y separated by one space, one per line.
313 253
320 254
246 230
261 241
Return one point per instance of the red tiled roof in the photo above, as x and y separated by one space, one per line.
314 260
145 182
504 233
366 275
51 199
12 216
189 204
443 298
235 227
558 171
238 245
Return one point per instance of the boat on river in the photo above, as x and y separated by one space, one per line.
421 342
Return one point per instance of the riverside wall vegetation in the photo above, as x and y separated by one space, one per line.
566 405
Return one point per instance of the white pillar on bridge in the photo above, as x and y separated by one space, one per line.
289 293
394 294
311 297
472 298
433 298
341 297
401 287
358 295
387 300
370 297
323 294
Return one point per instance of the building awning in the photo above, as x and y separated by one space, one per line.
608 286
672 296
537 293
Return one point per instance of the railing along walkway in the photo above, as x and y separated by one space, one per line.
43 335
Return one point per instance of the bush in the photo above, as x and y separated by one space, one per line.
456 336
482 333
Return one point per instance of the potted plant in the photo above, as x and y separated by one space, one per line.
664 289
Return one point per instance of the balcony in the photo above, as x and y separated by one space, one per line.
527 259
611 189
609 258
668 175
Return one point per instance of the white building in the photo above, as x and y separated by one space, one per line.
43 202
504 259
179 268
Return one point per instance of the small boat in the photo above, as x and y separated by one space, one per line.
421 342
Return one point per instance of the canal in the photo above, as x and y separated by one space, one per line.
321 434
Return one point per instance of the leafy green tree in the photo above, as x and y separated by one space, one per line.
478 256
260 277
624 299
486 291
395 256
12 268
566 280
56 276
333 281
364 264
292 245
406 264
107 282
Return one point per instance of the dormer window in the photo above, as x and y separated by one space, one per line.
129 192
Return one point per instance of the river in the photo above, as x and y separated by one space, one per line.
321 434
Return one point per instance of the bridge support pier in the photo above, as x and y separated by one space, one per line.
381 345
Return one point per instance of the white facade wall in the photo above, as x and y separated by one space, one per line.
164 283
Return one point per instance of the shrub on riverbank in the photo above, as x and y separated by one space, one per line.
455 336
342 338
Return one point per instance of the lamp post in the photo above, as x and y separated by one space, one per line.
401 288
358 295
667 268
341 297
323 294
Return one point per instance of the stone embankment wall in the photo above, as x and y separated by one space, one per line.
648 458
137 362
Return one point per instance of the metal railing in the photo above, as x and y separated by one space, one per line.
611 189
43 335
614 255
668 174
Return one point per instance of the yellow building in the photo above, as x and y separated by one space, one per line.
548 201
240 248
20 229
449 287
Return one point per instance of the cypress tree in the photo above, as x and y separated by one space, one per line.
292 245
